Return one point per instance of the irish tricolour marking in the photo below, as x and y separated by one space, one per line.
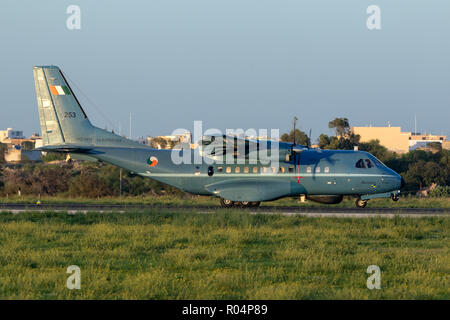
59 90
152 161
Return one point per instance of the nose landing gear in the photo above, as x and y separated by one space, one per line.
395 197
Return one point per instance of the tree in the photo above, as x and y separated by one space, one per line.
433 173
2 160
340 125
324 141
3 149
436 146
341 143
300 137
414 174
374 147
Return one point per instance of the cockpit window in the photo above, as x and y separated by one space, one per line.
369 164
360 163
378 163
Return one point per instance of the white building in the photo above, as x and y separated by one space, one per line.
10 134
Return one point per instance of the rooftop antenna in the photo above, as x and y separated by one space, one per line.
130 125
415 124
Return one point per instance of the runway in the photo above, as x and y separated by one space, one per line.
338 212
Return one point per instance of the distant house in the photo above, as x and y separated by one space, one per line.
8 134
168 142
19 148
396 140
16 153
446 145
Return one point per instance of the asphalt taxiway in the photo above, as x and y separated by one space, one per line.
339 212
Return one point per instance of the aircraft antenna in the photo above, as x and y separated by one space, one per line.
91 102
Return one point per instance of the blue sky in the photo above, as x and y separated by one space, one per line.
233 64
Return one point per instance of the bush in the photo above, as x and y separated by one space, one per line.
440 192
52 156
37 179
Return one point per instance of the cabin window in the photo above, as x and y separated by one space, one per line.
288 158
360 164
274 170
291 169
317 169
326 170
237 169
255 169
369 164
228 169
210 171
308 170
246 169
219 169
281 169
264 169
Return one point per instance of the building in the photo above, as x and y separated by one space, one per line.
15 153
9 133
19 148
446 145
168 142
421 140
395 140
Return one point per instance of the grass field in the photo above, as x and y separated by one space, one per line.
404 202
165 254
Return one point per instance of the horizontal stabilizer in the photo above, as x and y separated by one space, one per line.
65 148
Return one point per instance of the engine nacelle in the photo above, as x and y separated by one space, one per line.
331 199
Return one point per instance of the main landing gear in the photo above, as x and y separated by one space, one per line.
361 203
242 204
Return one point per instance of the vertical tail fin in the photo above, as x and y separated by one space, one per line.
60 113
63 120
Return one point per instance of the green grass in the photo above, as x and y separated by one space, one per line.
168 254
404 202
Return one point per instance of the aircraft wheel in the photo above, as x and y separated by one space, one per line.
244 204
361 203
395 197
226 203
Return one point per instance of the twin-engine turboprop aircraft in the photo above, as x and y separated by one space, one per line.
321 175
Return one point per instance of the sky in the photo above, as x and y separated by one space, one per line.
232 63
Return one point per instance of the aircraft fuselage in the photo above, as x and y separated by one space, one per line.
313 172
